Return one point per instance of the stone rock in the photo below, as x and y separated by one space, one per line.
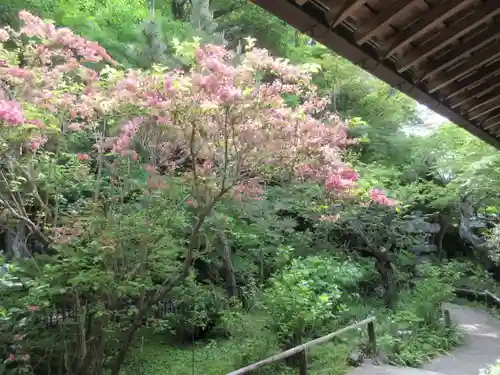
355 358
423 249
419 225
381 359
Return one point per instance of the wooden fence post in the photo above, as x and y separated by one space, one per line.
447 318
303 362
372 338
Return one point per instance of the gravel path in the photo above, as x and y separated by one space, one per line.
481 347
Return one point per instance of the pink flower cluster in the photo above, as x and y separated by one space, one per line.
380 197
249 190
343 179
220 111
63 37
215 81
11 113
128 131
4 35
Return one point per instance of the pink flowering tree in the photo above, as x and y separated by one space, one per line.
374 225
221 130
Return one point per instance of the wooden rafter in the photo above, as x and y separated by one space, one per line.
472 94
491 122
485 100
484 109
382 19
443 53
473 80
465 49
338 16
475 62
450 35
429 20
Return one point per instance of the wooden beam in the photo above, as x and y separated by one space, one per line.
479 90
363 55
301 2
381 19
472 45
474 80
453 33
491 122
484 109
345 11
475 62
485 101
429 20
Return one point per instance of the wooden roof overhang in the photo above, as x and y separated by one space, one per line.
443 53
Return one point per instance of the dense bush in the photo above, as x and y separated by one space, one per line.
225 189
130 235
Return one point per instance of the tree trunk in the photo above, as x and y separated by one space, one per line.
228 260
15 242
386 271
443 227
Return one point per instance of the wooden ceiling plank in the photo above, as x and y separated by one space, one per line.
474 80
301 2
461 51
429 20
381 19
479 90
346 11
461 28
484 111
491 122
481 102
475 62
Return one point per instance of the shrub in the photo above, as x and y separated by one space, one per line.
491 370
307 294
197 310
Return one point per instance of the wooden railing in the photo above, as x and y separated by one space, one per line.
490 299
300 352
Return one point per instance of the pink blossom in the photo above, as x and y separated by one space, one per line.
11 112
32 308
88 51
192 203
26 357
16 72
18 337
36 142
4 35
338 182
150 168
12 357
127 133
250 190
163 120
37 123
380 197
207 167
331 218
349 174
74 126
83 157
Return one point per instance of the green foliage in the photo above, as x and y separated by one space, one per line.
299 277
416 332
196 307
304 296
491 370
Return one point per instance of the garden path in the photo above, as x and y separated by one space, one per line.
481 347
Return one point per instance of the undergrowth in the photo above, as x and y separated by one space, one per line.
409 335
